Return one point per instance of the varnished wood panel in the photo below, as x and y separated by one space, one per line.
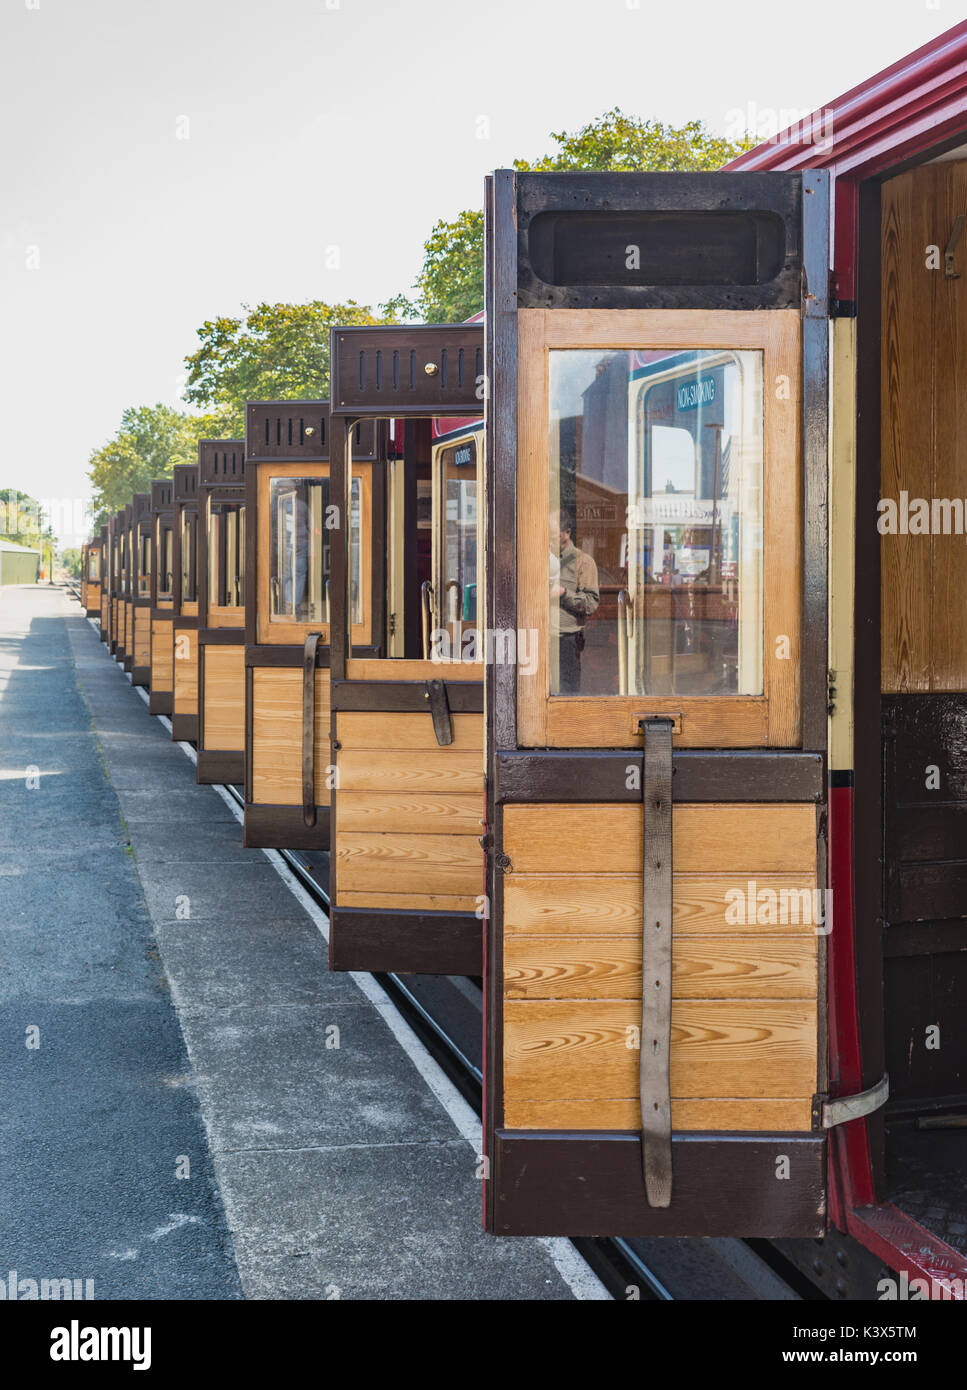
411 770
587 1050
588 905
460 813
226 616
162 654
736 967
403 731
224 723
185 647
277 736
452 864
695 1115
142 637
361 668
411 902
707 838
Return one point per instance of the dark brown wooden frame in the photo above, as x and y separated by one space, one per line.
184 727
221 478
162 518
275 434
378 373
590 1183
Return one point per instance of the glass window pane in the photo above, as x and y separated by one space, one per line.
188 587
230 554
459 599
355 551
299 560
655 522
144 570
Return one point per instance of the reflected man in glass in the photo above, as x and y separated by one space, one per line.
574 599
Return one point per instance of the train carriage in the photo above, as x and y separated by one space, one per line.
160 593
142 570
221 612
93 561
289 614
406 877
184 607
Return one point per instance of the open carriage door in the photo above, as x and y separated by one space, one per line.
656 569
407 872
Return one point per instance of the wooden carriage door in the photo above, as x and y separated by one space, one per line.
924 634
656 1040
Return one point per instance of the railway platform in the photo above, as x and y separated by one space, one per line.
243 1123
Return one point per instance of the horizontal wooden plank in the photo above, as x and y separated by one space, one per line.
458 813
738 967
440 769
224 715
565 1050
408 902
451 864
726 722
277 735
368 731
401 669
225 616
707 837
185 670
687 1115
579 905
162 655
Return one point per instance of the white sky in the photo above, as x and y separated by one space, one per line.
312 124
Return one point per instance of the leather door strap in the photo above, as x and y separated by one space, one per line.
309 729
435 692
656 962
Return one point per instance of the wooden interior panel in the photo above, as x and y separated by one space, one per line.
162 654
224 721
365 668
923 431
277 736
412 902
185 647
708 838
190 608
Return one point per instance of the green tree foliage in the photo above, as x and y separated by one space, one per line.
22 519
151 439
450 286
71 560
616 143
274 352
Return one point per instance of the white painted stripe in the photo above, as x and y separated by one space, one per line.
577 1275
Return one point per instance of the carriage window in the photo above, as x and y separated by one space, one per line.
655 522
164 562
355 554
144 571
226 552
189 587
299 559
94 565
459 547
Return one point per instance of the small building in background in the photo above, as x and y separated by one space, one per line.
18 564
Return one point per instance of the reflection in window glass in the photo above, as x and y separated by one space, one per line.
94 565
459 598
164 562
299 559
189 587
655 522
226 553
355 552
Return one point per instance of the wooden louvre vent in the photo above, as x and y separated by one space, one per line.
221 462
162 491
426 369
185 482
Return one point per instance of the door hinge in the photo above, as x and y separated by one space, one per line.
830 692
845 1108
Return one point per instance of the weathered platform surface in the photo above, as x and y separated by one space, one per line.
346 1169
